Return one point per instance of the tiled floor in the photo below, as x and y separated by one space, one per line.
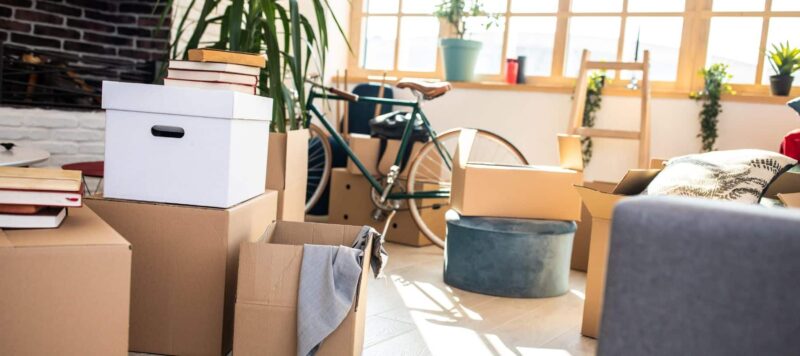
412 312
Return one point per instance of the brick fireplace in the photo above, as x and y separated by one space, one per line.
55 55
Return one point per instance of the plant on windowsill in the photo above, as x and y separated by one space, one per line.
461 55
716 78
594 92
785 61
291 41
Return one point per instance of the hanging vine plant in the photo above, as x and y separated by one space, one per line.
594 92
716 78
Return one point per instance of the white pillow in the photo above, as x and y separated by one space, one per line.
737 175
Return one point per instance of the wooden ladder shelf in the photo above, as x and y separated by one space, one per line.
576 119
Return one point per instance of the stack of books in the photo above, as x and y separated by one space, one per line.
215 69
38 197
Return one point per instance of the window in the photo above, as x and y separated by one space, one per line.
401 37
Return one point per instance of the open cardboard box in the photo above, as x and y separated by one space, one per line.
601 207
525 192
269 278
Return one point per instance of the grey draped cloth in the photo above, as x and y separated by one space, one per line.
329 280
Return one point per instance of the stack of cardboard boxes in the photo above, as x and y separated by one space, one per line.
350 201
184 184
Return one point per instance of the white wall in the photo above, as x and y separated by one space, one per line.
532 120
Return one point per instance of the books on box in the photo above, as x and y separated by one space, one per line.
213 55
47 218
246 89
40 187
214 67
212 76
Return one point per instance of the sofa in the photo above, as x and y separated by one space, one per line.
699 277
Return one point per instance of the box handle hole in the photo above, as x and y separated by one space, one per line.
167 131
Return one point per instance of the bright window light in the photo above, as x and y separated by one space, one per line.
660 35
531 6
381 6
785 5
656 5
418 43
419 6
597 34
489 60
378 39
596 5
735 41
494 6
781 29
738 5
533 38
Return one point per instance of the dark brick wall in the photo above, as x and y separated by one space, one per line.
119 31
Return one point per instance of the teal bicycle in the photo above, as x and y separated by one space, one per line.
427 185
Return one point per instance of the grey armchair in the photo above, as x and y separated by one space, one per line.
697 277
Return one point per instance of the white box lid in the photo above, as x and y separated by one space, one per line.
150 98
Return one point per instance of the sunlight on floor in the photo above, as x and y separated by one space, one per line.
413 312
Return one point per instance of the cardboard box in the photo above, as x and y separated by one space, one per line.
269 277
184 145
65 291
601 206
367 149
580 245
184 270
351 204
525 192
287 172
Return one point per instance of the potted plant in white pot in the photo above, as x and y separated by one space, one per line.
460 55
784 60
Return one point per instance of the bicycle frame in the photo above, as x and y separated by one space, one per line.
415 107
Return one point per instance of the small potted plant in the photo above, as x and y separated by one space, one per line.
460 55
784 60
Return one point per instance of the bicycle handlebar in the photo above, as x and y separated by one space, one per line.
344 94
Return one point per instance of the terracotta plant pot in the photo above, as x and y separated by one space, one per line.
781 85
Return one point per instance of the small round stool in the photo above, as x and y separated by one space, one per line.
508 257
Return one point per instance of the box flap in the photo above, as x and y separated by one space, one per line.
460 159
570 152
658 163
600 205
785 183
81 227
791 200
160 99
635 181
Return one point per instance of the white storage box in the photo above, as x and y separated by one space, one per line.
184 145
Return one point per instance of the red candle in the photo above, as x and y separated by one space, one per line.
512 67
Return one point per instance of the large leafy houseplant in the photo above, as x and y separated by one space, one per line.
290 40
716 78
785 61
460 55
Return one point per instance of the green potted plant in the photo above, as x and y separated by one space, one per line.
784 60
460 55
292 43
715 78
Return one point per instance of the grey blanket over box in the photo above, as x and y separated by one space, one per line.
329 278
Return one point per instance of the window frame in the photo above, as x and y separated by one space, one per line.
696 16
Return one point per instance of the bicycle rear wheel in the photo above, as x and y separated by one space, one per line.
429 173
320 160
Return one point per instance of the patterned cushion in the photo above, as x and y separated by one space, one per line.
738 175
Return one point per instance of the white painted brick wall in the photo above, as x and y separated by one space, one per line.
69 136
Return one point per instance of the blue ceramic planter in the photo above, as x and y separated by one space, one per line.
460 57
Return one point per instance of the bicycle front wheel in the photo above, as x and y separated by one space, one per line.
320 160
428 172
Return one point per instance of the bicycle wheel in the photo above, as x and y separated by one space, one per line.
320 159
429 173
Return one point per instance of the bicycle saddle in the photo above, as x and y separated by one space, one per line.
429 90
